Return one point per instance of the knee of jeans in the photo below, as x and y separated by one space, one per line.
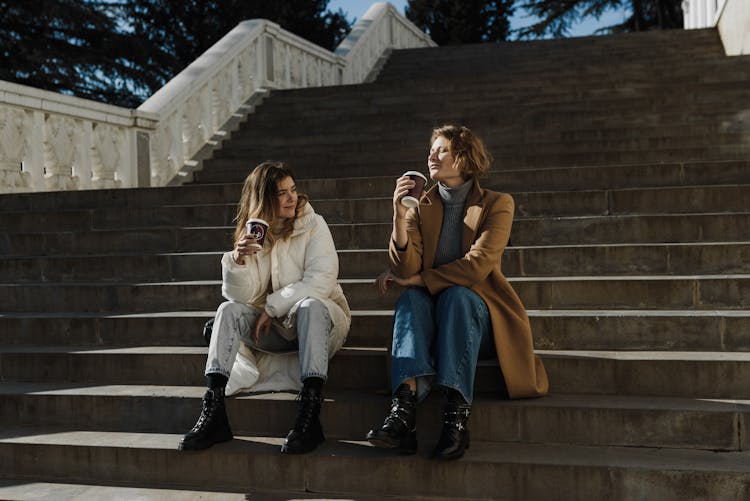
312 306
231 308
413 296
454 294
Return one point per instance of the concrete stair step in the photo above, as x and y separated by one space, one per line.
528 261
22 489
685 374
544 231
579 116
569 292
506 179
556 419
520 99
627 259
351 368
422 66
246 139
595 292
512 146
628 229
518 471
517 92
596 329
539 124
659 200
604 84
568 72
231 171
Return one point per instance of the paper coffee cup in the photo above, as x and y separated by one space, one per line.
411 199
257 228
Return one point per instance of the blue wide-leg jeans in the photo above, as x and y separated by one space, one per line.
439 339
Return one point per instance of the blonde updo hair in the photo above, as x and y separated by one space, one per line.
470 156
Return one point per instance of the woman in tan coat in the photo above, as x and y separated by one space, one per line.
458 306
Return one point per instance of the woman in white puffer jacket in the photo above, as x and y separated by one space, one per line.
283 299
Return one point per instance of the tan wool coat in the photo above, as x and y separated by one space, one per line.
488 218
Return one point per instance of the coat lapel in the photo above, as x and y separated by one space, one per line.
472 217
431 219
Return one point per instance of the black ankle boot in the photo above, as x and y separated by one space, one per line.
212 426
454 439
307 433
399 430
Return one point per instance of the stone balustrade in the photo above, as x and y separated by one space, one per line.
730 17
50 141
701 13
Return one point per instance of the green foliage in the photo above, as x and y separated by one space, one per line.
462 21
185 29
557 16
72 47
122 51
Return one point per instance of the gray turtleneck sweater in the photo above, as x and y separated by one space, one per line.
449 243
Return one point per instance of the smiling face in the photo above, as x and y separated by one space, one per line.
286 198
440 163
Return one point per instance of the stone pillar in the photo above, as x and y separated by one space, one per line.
60 144
15 126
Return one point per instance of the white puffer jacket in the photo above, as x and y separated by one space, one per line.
303 265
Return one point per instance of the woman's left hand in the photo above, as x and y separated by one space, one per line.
387 276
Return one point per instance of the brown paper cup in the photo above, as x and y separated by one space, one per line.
411 199
257 228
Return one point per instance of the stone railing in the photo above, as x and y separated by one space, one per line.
701 13
731 17
53 142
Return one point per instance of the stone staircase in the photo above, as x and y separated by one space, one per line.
628 158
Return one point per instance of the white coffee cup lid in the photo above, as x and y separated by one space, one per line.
256 220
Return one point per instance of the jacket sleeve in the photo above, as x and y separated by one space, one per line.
408 261
319 278
483 255
240 282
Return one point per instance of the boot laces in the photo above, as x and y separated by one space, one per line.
306 413
207 410
398 415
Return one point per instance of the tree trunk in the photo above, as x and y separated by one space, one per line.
638 22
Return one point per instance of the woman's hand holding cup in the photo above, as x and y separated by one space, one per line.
246 246
409 188
252 242
403 185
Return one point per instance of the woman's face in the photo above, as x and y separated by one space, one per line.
440 162
286 198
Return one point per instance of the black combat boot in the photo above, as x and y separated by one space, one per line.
307 433
454 439
212 426
399 430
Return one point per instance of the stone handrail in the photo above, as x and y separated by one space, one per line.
50 141
730 17
701 13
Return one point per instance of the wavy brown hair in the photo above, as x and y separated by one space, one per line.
470 156
259 200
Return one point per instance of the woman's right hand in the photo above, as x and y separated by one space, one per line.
246 246
403 185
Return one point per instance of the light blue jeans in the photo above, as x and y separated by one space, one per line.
235 322
439 339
